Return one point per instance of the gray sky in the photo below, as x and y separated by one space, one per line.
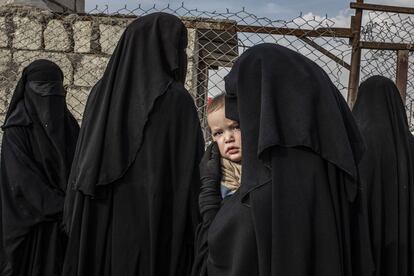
285 8
274 9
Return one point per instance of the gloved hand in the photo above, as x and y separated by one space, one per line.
210 174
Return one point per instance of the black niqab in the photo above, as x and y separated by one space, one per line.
38 145
387 175
134 181
300 150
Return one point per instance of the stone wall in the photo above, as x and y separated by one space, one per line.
80 44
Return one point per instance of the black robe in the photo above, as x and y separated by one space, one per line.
387 175
37 149
132 208
299 182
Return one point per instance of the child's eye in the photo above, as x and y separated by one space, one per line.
217 133
235 127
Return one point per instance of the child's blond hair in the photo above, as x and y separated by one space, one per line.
215 103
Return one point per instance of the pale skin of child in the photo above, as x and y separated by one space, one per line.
226 133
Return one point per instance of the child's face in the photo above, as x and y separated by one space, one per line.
226 133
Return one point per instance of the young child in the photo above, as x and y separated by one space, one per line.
226 133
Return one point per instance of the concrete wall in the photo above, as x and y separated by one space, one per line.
66 5
54 5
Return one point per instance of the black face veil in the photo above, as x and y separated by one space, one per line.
41 79
39 100
37 150
145 62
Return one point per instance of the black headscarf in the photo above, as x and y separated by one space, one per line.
297 105
301 147
387 175
39 101
134 180
37 150
120 103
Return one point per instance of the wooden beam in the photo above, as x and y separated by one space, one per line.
386 46
381 8
209 24
217 59
320 32
355 56
402 73
219 47
326 52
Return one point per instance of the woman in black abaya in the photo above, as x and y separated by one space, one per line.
387 174
38 145
132 208
299 209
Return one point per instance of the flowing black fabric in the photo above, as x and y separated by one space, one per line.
147 59
300 150
133 208
37 150
387 175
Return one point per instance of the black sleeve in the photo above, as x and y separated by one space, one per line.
210 202
26 197
24 186
201 250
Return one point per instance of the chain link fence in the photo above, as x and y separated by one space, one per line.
388 27
81 44
217 49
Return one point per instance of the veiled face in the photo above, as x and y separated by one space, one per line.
44 92
226 133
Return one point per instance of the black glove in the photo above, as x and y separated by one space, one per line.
210 174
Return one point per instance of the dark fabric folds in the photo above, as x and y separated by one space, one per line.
301 148
147 59
387 175
37 149
132 204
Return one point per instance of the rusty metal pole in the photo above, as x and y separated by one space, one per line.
402 72
355 57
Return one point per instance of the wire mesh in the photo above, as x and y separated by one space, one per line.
388 27
81 44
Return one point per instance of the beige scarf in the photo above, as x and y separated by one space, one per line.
231 174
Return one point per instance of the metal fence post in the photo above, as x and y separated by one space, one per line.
355 57
402 72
